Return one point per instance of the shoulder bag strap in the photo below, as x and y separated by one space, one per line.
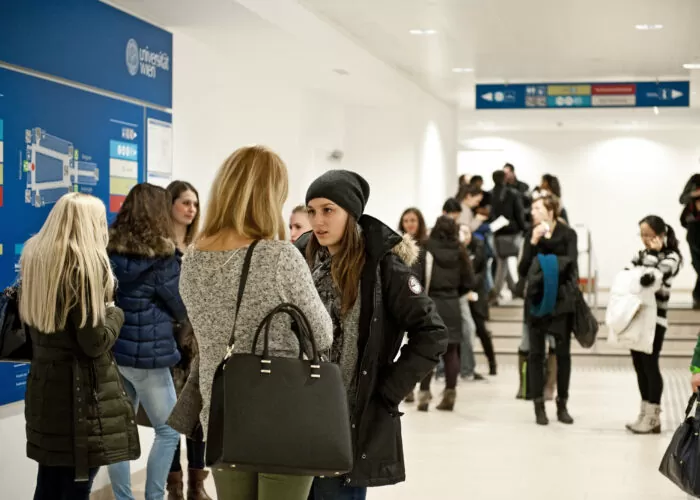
239 298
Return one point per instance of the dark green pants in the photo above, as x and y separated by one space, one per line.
234 485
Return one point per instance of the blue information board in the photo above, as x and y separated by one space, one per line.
583 95
46 152
89 42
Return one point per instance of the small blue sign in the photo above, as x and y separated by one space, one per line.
123 150
583 95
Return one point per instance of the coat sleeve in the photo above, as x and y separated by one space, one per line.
97 340
572 251
296 286
415 314
467 276
479 266
168 287
520 214
526 258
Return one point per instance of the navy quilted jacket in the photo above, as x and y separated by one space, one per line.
148 293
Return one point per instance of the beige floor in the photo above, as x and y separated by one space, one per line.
490 448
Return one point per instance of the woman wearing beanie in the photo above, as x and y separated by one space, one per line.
361 269
661 260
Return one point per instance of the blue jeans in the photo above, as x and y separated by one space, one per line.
154 389
468 361
335 489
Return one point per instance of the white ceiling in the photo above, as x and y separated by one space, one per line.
521 40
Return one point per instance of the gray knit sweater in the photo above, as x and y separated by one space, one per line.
209 285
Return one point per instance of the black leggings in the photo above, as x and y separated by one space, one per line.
58 483
195 453
484 337
451 359
651 384
536 366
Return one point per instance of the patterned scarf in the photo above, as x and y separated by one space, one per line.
321 274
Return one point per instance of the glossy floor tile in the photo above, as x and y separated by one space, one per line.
489 448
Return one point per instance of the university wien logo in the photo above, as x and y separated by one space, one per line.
132 57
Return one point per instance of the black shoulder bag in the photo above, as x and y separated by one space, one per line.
278 415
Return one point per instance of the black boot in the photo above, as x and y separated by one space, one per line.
562 413
540 412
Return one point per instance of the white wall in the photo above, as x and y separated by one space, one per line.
610 180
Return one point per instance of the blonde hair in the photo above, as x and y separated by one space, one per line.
248 193
65 267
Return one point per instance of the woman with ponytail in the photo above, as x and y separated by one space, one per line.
662 258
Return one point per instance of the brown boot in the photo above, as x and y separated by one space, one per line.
551 382
175 487
448 400
195 485
424 398
410 397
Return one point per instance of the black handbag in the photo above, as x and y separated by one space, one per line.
15 341
681 462
278 415
506 245
585 324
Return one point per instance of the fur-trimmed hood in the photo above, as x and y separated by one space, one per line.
407 250
127 244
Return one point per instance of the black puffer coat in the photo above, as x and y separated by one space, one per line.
477 254
392 302
76 410
451 278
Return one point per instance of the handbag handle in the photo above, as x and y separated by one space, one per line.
239 297
304 335
691 402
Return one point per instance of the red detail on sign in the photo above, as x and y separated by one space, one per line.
1 196
33 167
115 203
622 89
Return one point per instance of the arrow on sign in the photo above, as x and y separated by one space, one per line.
488 97
675 94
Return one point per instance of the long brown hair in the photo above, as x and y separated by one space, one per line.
422 233
175 189
144 216
346 264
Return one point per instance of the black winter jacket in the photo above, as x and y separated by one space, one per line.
392 302
77 412
508 202
563 244
451 278
477 254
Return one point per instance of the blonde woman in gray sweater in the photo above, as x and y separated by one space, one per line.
246 205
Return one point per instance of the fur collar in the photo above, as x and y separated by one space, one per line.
407 250
126 244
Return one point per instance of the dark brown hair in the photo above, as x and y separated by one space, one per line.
422 233
447 229
175 189
346 265
145 215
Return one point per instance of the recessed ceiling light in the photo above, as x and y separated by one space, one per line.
422 32
692 66
462 70
649 27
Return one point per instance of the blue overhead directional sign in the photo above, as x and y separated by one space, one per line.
583 95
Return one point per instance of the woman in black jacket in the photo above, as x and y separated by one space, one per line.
78 415
412 223
550 236
361 269
448 278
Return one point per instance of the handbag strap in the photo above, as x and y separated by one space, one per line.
239 297
691 402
